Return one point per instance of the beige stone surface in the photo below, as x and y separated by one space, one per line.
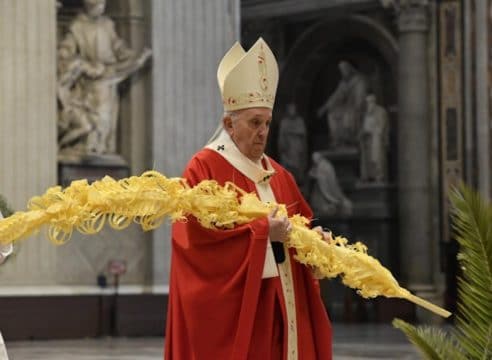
190 38
27 124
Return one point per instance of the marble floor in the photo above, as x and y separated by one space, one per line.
354 342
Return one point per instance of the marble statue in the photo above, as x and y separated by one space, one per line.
374 141
326 196
92 61
345 107
292 143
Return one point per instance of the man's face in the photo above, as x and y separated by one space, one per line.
94 8
249 128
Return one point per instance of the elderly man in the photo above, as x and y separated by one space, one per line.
239 294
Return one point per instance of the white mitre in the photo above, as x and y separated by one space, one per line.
248 79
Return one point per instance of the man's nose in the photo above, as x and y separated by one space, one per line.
263 130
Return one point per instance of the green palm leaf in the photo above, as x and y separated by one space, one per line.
472 222
433 343
472 336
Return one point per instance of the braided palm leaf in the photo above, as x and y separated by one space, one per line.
150 198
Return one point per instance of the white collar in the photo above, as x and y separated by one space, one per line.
224 146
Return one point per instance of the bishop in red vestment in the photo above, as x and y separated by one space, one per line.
239 293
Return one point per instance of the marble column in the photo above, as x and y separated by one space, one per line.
414 149
482 97
189 39
28 125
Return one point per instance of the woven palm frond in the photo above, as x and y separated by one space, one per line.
149 198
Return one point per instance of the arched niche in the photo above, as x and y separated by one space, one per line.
309 73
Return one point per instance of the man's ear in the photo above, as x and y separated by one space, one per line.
227 122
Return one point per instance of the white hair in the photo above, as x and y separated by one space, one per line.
232 114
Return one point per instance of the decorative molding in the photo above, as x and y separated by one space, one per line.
399 5
413 15
283 8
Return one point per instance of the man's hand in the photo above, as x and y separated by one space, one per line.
325 235
280 227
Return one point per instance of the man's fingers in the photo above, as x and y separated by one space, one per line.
324 234
319 230
274 212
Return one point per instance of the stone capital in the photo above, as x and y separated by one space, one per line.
412 15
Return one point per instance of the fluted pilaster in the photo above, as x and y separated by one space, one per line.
28 123
189 39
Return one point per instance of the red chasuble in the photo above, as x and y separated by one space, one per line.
219 305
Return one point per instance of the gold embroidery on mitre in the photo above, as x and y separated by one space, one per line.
249 98
262 67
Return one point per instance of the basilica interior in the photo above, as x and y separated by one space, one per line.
382 107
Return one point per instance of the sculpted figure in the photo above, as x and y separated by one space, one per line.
93 60
327 197
374 140
292 143
344 108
